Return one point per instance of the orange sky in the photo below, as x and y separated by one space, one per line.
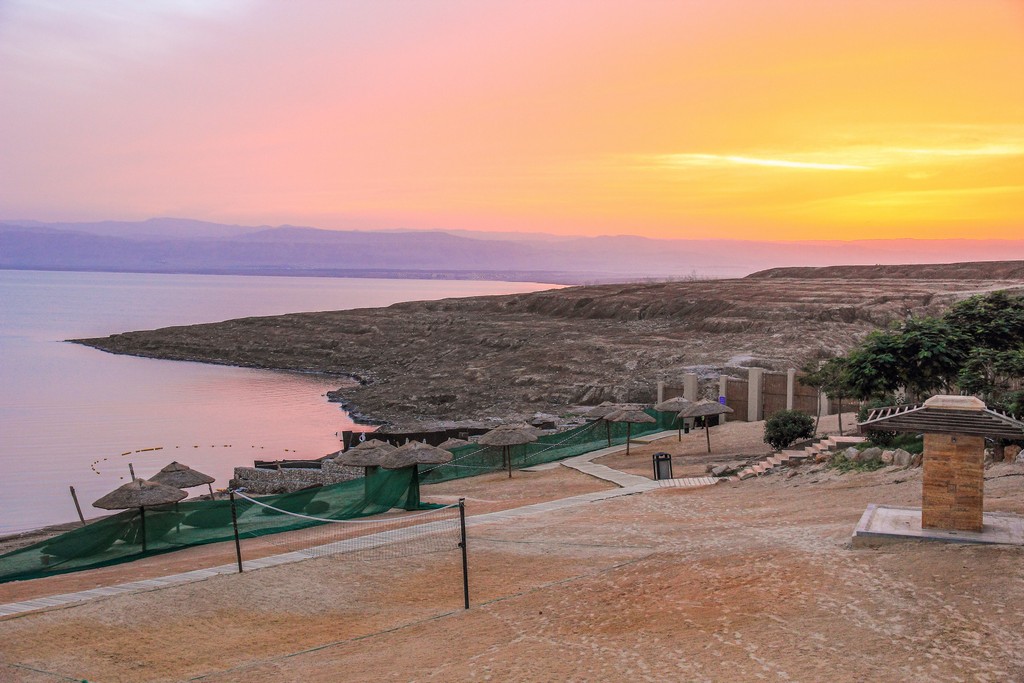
750 120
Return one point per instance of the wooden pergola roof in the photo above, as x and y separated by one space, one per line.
946 415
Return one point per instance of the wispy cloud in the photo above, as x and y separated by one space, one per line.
729 160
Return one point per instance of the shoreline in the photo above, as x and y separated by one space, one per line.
519 354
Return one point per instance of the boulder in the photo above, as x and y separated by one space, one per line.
1011 453
887 457
852 454
873 453
901 458
916 459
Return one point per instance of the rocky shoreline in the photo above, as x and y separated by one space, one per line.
512 356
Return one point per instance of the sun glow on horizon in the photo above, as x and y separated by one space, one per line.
780 119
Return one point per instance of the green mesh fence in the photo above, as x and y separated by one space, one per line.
118 538
472 460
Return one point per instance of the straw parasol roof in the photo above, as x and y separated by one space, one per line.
415 453
508 435
139 493
452 443
629 415
369 453
181 476
705 408
674 405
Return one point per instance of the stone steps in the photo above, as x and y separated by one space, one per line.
791 457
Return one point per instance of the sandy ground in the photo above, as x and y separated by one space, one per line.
737 582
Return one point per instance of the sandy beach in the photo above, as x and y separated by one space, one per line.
740 581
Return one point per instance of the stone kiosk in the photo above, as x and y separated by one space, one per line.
953 491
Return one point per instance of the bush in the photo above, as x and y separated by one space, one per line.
843 464
787 427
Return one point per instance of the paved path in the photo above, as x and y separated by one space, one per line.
629 484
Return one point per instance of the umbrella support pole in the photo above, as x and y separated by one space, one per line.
234 524
608 430
210 486
508 456
629 427
142 523
707 432
412 500
74 497
465 557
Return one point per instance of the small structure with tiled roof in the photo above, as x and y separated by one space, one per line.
955 429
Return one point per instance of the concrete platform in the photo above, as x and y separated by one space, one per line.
887 524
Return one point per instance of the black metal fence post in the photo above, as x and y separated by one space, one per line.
465 558
234 523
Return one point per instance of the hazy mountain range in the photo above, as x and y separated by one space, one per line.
175 245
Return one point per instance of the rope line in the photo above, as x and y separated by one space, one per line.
340 521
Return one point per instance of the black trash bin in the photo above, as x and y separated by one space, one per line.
662 465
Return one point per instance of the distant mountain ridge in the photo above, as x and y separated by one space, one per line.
174 245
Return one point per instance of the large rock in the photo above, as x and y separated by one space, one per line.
901 458
887 457
1011 453
873 453
852 454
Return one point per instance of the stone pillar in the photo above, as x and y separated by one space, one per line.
690 386
723 384
755 394
661 391
790 387
952 496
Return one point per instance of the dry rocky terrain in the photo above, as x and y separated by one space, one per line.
501 356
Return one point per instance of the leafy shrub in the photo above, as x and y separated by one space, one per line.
787 427
843 464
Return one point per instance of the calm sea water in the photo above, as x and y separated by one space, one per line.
69 414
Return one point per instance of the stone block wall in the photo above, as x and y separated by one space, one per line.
954 480
263 481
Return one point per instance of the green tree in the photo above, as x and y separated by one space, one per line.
829 377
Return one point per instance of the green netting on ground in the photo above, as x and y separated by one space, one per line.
118 538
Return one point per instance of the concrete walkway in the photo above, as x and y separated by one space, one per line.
629 484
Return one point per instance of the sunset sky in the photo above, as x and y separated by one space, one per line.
753 119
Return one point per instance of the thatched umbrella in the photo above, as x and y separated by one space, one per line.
630 417
182 477
369 455
675 405
449 444
599 412
140 493
706 409
507 436
412 455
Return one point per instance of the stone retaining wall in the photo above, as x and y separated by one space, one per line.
262 481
